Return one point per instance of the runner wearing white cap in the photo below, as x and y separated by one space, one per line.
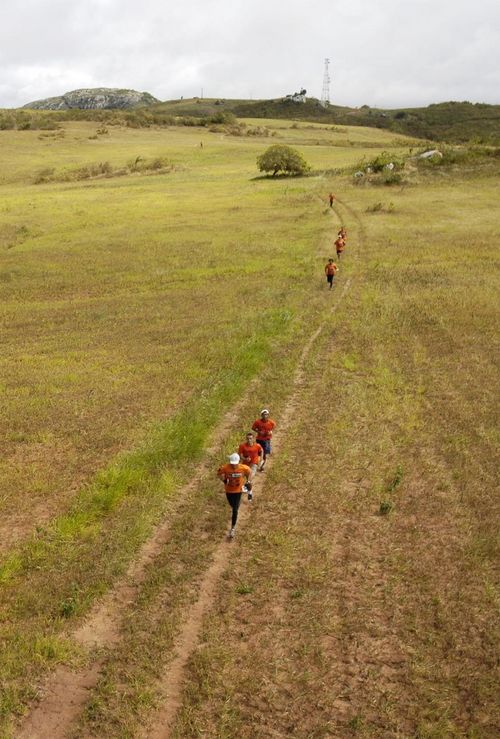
234 475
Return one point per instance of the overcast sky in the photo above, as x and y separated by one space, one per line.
387 53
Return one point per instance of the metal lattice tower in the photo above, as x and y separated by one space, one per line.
325 95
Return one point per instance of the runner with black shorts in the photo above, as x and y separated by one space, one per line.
264 426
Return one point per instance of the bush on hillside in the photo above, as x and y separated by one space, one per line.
7 122
388 177
282 158
158 165
223 117
381 161
459 156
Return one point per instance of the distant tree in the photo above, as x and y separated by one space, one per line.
223 116
281 158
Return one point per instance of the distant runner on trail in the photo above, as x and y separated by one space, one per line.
251 454
330 272
342 234
264 427
331 198
234 475
340 246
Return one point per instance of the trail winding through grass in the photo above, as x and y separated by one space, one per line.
66 691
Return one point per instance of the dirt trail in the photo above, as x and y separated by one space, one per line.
62 702
187 640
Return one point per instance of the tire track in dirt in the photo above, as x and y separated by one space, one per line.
367 642
172 685
278 608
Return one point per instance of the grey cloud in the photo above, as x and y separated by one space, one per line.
385 52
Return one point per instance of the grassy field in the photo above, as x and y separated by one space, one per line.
102 282
136 310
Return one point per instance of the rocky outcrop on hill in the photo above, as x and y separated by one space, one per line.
95 99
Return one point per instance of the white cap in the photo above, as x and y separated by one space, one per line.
234 458
264 410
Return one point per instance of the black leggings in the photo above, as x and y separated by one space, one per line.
234 500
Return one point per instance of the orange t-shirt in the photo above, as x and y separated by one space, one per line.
340 244
264 429
251 451
330 269
234 476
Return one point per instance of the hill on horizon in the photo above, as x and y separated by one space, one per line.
97 98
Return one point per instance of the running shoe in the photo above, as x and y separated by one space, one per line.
250 496
231 533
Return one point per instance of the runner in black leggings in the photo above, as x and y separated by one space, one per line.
234 475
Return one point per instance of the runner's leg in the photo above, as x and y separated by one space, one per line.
234 500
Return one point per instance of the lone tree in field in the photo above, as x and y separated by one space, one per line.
281 158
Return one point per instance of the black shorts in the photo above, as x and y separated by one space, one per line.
266 445
329 279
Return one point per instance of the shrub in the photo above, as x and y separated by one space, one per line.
459 155
382 160
44 175
146 165
282 158
7 122
390 177
259 131
223 117
385 507
104 169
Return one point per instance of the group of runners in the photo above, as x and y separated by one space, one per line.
331 267
237 474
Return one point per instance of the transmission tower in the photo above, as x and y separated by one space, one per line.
325 95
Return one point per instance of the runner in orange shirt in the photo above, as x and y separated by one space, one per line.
331 198
339 245
264 427
234 475
342 234
330 272
251 455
